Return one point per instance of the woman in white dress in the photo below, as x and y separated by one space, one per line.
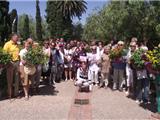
67 62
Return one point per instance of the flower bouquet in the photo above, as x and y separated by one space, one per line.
138 59
117 54
34 56
5 59
154 58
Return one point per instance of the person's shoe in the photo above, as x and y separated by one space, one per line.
114 87
156 115
139 101
26 98
66 79
90 88
120 90
127 93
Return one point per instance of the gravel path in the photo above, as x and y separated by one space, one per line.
107 105
57 105
47 106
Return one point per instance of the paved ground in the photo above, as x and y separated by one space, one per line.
107 104
58 105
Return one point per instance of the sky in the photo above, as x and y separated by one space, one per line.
29 8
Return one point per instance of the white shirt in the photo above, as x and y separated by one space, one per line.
68 53
22 54
93 58
46 51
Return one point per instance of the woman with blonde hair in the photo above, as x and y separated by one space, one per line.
25 77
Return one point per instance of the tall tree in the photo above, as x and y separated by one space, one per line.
4 20
13 20
54 19
77 31
38 22
125 19
26 33
60 14
72 8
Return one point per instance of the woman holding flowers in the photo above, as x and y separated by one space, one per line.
142 82
129 70
154 67
24 77
119 63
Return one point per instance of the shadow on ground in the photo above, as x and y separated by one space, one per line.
47 90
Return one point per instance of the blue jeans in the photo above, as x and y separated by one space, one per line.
142 89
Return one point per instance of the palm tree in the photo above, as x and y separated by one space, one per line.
72 8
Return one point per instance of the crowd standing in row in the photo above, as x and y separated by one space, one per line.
85 64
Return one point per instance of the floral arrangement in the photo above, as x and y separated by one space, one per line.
138 59
5 58
117 53
154 58
35 56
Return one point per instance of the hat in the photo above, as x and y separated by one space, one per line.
132 43
120 43
144 48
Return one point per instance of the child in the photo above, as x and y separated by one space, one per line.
105 66
82 77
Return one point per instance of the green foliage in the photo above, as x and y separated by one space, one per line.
13 20
54 19
77 31
4 20
137 59
125 19
117 53
26 28
5 57
35 56
72 8
59 17
38 22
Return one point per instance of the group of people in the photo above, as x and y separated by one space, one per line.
87 64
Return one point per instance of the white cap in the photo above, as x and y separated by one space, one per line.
120 43
145 48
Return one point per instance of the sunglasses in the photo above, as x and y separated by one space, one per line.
132 46
120 44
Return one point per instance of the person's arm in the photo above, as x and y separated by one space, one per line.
150 69
21 54
78 74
